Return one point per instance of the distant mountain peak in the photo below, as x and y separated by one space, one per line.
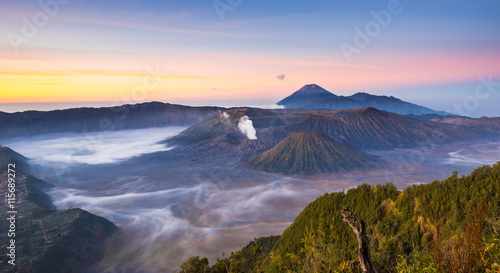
313 89
306 95
312 96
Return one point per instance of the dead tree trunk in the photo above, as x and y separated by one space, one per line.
358 226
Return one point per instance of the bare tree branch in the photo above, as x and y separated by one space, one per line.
358 226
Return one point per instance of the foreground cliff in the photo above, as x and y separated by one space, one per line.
37 237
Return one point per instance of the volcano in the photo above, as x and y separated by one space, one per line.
310 153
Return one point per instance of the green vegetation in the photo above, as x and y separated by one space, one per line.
245 260
310 153
195 265
444 226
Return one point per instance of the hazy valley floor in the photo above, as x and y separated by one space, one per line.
170 207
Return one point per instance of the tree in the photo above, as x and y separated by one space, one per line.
195 265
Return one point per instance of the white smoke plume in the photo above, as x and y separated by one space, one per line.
246 127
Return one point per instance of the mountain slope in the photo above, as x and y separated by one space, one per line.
216 126
315 97
340 103
47 240
222 124
306 97
392 104
483 124
310 153
8 156
369 128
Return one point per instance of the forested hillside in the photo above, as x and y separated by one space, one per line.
444 226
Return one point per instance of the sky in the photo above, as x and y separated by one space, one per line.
59 53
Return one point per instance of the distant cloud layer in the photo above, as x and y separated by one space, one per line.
92 148
191 219
481 154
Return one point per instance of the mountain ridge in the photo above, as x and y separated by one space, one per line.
328 100
87 119
49 240
8 156
358 129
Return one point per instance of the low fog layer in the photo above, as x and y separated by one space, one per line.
92 148
169 207
193 211
425 164
476 155
204 219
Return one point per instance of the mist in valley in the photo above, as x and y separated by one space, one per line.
170 207
100 147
